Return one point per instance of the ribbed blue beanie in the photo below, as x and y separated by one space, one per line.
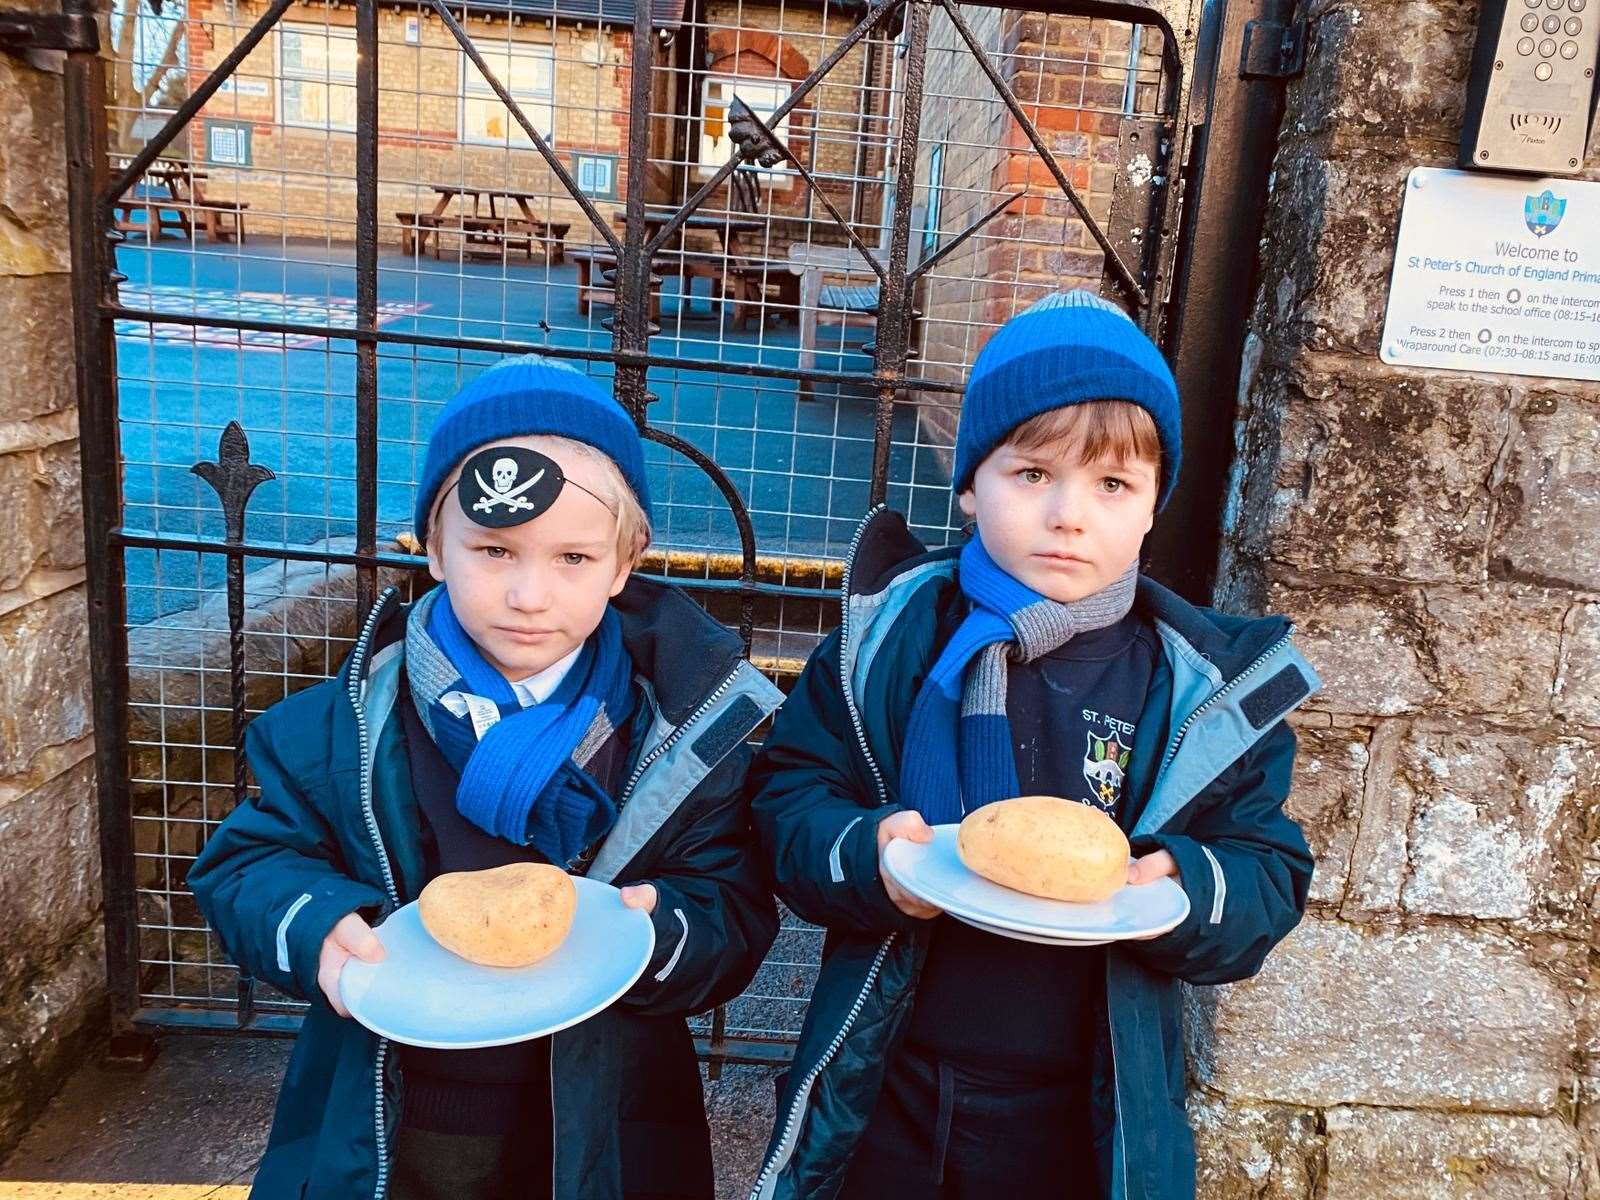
520 397
1067 348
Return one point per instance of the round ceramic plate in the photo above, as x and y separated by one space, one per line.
1031 937
424 995
934 872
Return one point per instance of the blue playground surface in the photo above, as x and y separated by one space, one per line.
801 465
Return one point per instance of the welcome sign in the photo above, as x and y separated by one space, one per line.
1496 273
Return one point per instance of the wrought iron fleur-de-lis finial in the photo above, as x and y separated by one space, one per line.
750 134
233 476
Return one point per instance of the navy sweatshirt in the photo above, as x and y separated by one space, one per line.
1014 1011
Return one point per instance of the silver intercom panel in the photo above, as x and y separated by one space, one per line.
1530 98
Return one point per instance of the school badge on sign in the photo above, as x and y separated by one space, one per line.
1543 212
1104 766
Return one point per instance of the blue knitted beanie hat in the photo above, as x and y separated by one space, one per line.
1067 348
521 397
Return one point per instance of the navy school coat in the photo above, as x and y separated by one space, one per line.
335 830
1207 779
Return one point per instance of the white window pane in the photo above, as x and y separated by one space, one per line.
488 120
319 71
717 95
527 74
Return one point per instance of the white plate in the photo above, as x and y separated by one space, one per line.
424 995
1031 937
934 872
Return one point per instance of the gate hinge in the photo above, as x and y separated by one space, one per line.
1273 50
22 31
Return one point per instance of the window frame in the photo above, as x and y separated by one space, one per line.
330 34
776 176
475 87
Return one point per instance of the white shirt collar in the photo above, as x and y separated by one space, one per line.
536 689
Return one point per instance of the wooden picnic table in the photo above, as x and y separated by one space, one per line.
490 231
727 227
185 201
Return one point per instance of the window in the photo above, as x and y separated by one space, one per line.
318 66
930 220
716 94
528 73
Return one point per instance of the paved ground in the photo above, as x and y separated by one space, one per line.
194 1124
802 466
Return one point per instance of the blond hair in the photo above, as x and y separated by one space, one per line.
633 523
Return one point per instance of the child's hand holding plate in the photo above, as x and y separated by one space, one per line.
499 956
1040 869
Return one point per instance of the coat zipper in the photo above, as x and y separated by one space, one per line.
1172 750
357 666
804 1090
844 642
638 772
672 738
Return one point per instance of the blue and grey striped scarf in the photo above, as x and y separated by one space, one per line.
950 766
523 779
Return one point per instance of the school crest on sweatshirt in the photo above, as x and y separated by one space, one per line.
1105 764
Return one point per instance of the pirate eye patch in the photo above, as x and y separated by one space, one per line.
509 485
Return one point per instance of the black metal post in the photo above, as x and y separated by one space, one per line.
894 309
631 329
99 446
1215 285
366 300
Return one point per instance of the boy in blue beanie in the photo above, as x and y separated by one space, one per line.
939 1060
542 705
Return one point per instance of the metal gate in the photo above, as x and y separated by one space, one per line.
780 231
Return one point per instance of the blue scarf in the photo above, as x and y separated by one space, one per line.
523 780
958 750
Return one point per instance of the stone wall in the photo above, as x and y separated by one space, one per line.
1430 1030
52 969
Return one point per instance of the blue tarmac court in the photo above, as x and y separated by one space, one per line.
802 466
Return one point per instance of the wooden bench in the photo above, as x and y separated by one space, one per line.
494 237
594 288
156 212
554 236
482 237
850 299
415 231
223 220
753 283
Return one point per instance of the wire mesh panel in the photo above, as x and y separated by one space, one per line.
779 231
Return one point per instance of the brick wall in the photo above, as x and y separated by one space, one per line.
302 183
1071 76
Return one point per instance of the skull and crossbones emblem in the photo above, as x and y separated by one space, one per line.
505 489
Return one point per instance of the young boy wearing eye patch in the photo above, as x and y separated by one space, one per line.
541 705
